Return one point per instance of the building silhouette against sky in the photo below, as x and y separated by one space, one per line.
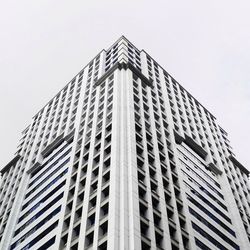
123 157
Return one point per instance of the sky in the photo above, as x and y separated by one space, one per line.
204 45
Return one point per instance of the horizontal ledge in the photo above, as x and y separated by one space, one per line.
190 143
58 140
69 137
238 164
52 146
211 166
197 148
178 138
34 167
10 164
123 65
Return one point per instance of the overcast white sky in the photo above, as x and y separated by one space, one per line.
205 45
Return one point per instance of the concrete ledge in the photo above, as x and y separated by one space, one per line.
211 166
139 74
59 140
52 146
34 167
69 138
107 73
239 165
178 138
123 65
10 164
196 148
191 143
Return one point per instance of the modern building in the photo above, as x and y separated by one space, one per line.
124 158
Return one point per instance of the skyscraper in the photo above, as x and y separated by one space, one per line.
123 157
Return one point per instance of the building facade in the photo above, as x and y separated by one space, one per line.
123 157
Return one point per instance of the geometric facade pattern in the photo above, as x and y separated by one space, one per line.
123 157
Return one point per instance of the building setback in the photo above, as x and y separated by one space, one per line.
123 157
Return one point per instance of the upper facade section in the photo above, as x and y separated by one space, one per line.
191 120
121 89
